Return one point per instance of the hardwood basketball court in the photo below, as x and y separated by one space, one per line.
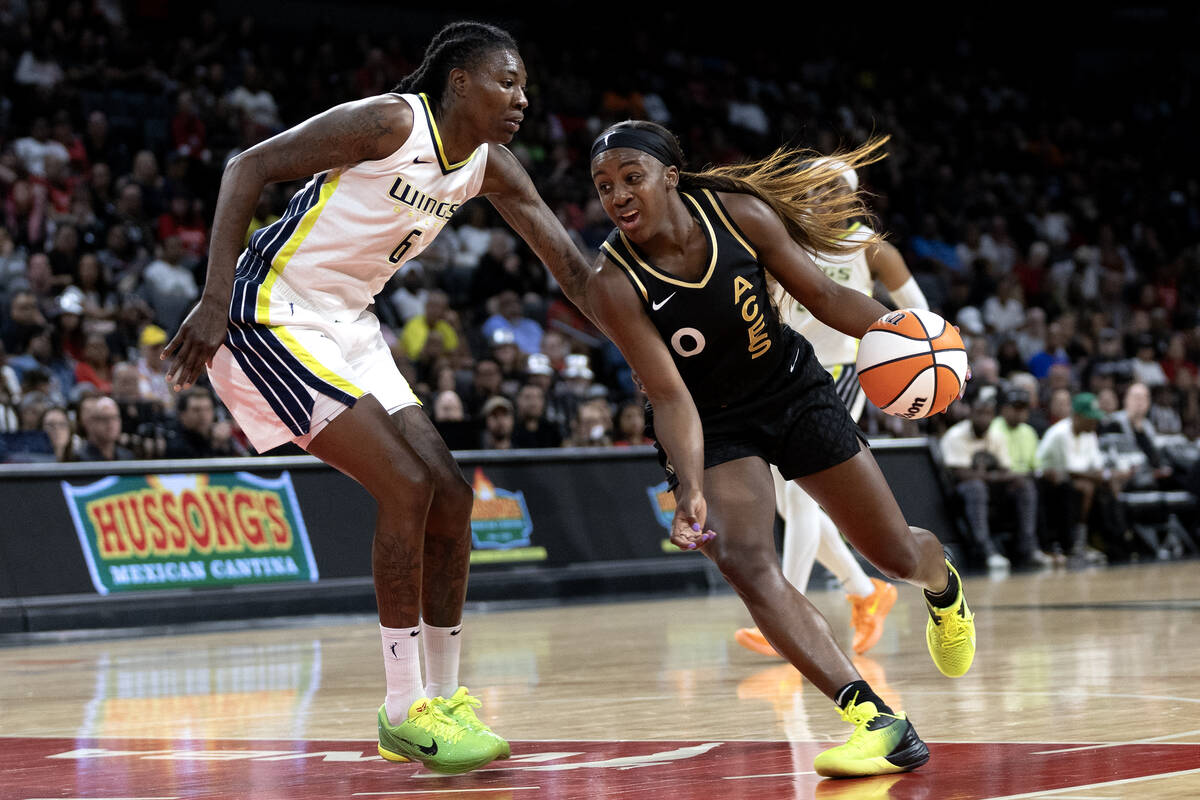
1084 688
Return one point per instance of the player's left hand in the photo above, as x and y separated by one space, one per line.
687 528
202 332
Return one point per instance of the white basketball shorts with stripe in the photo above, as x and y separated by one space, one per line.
288 380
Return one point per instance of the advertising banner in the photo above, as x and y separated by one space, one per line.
168 531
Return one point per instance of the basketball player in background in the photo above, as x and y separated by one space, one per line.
808 532
680 287
296 356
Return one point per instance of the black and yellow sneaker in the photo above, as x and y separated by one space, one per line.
950 633
881 744
439 742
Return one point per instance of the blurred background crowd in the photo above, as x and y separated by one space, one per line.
1040 182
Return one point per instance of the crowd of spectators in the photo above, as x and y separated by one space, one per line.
1050 209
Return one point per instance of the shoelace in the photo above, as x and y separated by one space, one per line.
859 715
464 705
955 627
435 722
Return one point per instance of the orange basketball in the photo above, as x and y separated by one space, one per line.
911 363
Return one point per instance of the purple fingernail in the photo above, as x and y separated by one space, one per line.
696 526
691 546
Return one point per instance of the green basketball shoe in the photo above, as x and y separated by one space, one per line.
881 744
434 739
950 633
460 707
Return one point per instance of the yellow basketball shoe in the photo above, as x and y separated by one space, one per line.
881 744
950 633
437 741
460 707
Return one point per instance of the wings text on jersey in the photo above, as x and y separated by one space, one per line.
408 195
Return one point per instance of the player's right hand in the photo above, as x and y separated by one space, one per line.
687 528
193 346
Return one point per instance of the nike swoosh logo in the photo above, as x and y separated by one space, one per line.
663 302
871 609
419 161
414 633
795 358
431 750
456 633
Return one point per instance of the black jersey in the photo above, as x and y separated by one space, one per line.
722 330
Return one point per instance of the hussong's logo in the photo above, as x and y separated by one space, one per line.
410 197
499 519
143 532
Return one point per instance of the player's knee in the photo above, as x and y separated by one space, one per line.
749 573
455 494
404 483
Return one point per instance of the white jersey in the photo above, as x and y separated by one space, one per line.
348 230
831 347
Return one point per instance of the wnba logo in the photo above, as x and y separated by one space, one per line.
894 319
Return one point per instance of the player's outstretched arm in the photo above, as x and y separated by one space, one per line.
508 187
886 264
363 130
839 307
618 312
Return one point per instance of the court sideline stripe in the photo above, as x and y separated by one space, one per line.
1099 785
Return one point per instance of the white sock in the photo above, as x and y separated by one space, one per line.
402 666
442 648
834 553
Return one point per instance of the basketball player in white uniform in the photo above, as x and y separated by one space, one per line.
808 532
296 356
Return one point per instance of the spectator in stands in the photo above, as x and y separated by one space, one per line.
1146 369
556 347
631 425
432 333
100 422
512 364
498 423
451 422
532 429
1075 481
152 370
96 367
1022 442
510 316
977 457
34 150
410 297
57 425
198 433
24 320
1133 422
1053 352
10 395
485 385
591 426
43 358
169 285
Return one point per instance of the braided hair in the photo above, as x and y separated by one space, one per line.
457 45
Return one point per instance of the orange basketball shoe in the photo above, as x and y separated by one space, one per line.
867 614
752 639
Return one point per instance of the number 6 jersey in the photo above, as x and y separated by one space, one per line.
348 230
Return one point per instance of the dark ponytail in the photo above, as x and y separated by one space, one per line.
457 45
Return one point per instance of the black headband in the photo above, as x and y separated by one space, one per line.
637 138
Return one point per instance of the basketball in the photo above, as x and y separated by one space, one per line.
911 363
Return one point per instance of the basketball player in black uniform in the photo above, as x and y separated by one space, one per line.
681 289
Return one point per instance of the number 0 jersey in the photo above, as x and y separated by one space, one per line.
721 330
831 346
348 230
